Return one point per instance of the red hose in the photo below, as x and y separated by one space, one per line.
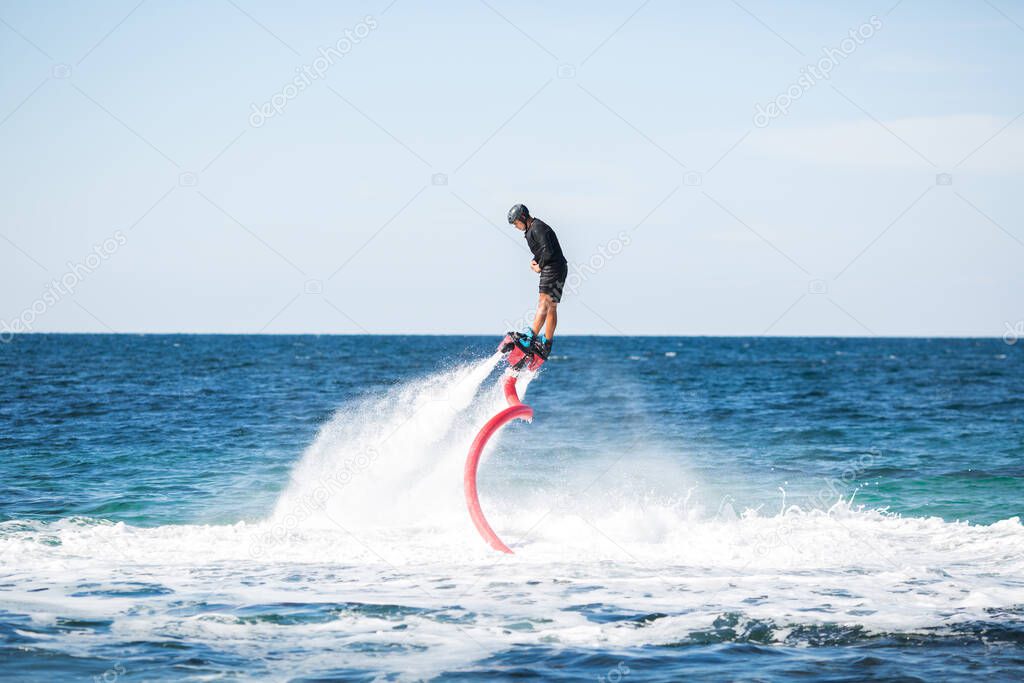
515 409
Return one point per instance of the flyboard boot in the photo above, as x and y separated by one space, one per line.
525 350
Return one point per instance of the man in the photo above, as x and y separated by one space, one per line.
549 261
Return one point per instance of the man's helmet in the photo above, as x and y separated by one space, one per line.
519 212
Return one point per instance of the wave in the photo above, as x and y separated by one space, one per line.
436 600
809 577
370 542
842 538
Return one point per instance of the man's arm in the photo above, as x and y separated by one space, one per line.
546 246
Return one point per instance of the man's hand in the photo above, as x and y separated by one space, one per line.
534 267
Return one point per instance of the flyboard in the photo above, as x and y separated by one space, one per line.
521 354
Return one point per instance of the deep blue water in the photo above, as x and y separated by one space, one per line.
680 507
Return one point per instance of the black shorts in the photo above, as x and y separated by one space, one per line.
552 281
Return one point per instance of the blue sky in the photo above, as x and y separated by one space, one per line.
375 200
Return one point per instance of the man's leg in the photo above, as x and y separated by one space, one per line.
552 320
543 304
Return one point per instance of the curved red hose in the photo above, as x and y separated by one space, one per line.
516 409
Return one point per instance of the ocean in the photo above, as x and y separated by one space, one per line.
723 509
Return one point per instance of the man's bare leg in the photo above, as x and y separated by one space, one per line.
552 321
543 304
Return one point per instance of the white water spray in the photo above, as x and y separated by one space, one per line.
393 461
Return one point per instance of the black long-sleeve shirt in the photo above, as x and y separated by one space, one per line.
544 244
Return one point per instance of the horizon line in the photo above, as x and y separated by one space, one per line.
11 336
